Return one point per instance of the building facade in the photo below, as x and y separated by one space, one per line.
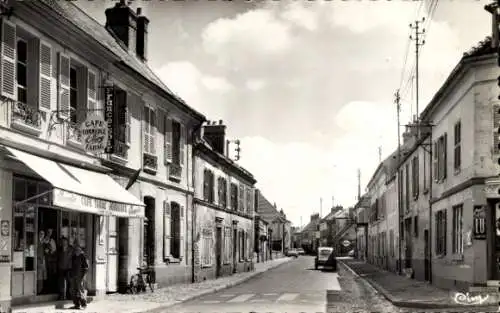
262 241
361 214
65 75
223 223
310 235
279 228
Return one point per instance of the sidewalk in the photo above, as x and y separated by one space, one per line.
406 292
161 298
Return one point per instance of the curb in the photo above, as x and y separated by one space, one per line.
410 304
214 290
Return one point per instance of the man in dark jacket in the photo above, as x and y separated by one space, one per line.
65 256
79 269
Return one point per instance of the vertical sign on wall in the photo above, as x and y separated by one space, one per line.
109 99
479 222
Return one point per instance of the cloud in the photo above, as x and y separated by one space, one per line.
218 84
255 84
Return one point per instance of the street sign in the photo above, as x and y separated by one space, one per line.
346 243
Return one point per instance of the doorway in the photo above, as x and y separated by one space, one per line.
149 231
427 256
218 251
408 243
235 249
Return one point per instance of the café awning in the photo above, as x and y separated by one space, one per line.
82 190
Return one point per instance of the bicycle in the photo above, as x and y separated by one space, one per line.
140 281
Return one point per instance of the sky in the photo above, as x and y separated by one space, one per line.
306 86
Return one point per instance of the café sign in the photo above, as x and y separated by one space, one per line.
94 131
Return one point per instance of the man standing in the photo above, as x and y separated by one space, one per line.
64 267
79 269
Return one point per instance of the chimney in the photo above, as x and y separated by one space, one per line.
492 8
122 22
142 36
215 135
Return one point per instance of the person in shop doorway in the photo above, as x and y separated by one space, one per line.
79 269
40 262
64 269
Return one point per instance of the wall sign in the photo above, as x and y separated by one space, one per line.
94 132
109 100
479 222
5 228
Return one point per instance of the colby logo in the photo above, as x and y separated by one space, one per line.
467 299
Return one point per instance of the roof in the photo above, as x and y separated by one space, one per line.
483 48
363 202
203 146
102 36
333 213
268 211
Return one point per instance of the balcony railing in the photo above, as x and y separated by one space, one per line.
26 116
175 171
150 162
74 133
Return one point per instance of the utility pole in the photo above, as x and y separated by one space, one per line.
320 208
398 109
359 184
418 43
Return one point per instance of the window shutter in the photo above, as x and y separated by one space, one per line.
91 91
63 102
435 154
168 140
146 128
154 122
166 230
182 145
445 155
45 87
8 89
33 72
445 231
81 80
182 230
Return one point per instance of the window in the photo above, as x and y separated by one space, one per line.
441 232
206 247
227 245
415 226
457 159
241 198
440 158
249 200
458 242
73 94
149 130
242 245
22 71
415 181
222 191
175 230
234 196
174 142
122 121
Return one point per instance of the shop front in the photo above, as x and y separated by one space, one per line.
44 203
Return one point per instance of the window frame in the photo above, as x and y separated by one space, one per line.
150 117
25 64
457 232
457 146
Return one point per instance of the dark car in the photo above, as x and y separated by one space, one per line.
325 258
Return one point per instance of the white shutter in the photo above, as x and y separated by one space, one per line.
145 128
182 143
91 92
168 140
152 128
45 87
182 229
63 104
8 88
33 70
166 229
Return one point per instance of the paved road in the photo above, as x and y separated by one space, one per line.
292 287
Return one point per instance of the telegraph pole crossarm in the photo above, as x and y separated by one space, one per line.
418 43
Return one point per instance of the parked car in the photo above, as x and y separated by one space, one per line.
301 251
325 258
292 252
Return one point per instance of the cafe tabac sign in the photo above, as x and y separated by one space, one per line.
94 132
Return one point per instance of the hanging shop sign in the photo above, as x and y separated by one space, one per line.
346 243
109 100
479 222
94 131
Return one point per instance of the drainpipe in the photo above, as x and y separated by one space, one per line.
193 207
